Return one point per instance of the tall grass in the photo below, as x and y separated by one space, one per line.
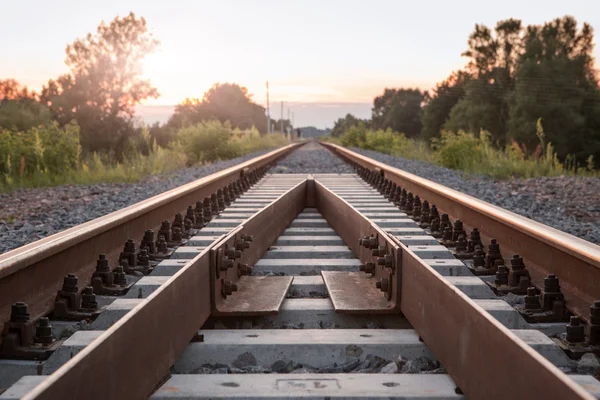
49 155
470 153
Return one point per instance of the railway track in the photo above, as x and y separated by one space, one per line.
299 285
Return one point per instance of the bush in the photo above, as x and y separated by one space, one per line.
210 141
467 152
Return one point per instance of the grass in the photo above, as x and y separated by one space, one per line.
470 153
196 145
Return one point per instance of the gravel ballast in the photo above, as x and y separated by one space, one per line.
565 203
27 215
570 204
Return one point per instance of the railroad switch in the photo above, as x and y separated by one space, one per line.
22 339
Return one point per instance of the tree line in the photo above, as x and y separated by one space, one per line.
515 75
97 97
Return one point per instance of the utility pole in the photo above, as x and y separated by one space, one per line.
268 111
293 119
289 116
282 130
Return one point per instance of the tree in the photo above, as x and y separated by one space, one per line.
493 57
555 80
445 96
400 110
343 124
223 102
20 108
104 83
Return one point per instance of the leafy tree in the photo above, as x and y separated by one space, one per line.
20 109
343 124
445 96
399 110
492 61
555 80
223 102
104 83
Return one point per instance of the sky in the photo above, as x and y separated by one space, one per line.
323 58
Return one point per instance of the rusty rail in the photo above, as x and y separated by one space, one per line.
545 250
34 273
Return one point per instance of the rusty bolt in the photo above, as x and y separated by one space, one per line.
102 264
387 260
595 323
43 332
575 331
119 276
242 245
379 251
247 238
228 287
70 284
226 263
382 284
143 258
244 269
177 234
501 275
88 298
18 312
368 267
233 254
532 300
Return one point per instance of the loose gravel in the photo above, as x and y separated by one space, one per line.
311 158
27 215
569 204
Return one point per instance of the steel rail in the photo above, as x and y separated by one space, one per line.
134 355
469 342
545 250
34 273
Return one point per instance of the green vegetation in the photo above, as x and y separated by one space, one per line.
50 155
80 128
515 75
469 153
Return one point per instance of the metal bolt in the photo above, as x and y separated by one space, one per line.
234 254
382 284
18 312
102 264
595 323
493 254
575 331
165 230
148 241
88 298
368 267
143 258
532 300
475 237
458 230
501 276
70 284
479 258
461 244
43 332
119 276
244 269
177 235
228 287
226 263
444 222
162 245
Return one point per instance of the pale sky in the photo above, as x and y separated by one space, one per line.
311 52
